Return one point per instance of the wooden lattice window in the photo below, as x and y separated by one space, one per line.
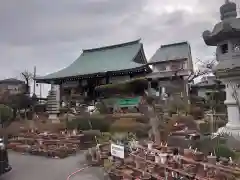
224 48
176 66
236 47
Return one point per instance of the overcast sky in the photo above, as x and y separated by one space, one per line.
51 33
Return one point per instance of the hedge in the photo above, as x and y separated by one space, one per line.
130 125
83 123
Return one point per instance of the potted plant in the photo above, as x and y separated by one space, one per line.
198 156
146 176
188 153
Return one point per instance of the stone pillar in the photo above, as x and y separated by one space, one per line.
53 103
57 89
163 93
232 99
232 88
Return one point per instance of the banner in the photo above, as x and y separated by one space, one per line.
128 102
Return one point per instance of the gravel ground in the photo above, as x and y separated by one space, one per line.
27 167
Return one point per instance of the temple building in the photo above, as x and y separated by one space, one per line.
172 65
207 85
226 37
76 83
12 86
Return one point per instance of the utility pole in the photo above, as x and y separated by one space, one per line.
34 77
40 86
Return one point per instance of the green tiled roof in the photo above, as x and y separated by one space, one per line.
105 59
170 52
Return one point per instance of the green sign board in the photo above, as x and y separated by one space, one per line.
128 102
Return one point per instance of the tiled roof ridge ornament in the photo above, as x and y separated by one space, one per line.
112 46
228 10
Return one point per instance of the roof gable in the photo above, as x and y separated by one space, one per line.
171 52
104 59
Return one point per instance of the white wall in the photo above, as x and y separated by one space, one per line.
159 67
202 92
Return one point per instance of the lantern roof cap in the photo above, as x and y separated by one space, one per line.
228 28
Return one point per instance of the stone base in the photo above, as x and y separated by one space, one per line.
54 118
232 136
229 131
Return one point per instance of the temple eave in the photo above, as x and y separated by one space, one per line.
47 80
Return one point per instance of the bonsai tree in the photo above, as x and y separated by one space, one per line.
138 87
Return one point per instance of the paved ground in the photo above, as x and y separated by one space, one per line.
38 168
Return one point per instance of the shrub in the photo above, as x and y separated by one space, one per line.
63 110
102 108
6 115
142 119
197 112
186 120
83 123
127 125
205 127
224 151
205 144
40 108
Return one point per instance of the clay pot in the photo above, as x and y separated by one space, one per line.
157 159
150 145
146 177
163 157
164 149
224 161
212 159
178 127
198 156
188 153
151 158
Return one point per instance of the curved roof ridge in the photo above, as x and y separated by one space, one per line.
112 46
174 44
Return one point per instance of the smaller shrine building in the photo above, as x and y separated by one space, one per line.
172 66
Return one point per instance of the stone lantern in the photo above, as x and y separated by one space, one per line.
53 103
226 37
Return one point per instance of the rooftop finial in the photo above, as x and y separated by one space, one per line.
228 10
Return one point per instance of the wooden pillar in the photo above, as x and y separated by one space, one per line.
107 78
131 75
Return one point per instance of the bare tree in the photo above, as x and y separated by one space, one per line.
203 68
28 77
148 109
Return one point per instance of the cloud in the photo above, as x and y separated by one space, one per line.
51 34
